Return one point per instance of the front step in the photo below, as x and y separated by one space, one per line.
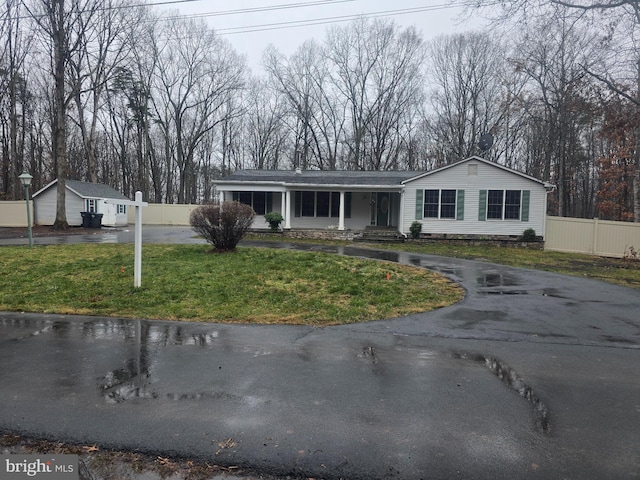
380 234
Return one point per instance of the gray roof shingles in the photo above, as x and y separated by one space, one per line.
94 190
323 177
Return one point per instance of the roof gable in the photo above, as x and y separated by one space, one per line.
474 159
87 190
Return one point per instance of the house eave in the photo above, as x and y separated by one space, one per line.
284 186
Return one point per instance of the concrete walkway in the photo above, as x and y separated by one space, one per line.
533 375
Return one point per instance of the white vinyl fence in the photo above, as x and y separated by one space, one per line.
163 214
14 214
595 237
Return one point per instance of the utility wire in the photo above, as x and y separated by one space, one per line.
334 19
285 6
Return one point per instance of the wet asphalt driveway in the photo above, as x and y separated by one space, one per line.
532 375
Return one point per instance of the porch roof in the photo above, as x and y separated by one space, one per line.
320 178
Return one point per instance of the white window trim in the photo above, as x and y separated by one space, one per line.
439 217
504 205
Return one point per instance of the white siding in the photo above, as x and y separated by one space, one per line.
488 177
45 207
110 215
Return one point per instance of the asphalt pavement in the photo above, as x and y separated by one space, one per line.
533 375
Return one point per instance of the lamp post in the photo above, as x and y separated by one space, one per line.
25 180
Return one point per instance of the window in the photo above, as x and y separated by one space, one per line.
512 205
448 204
335 204
503 204
121 209
308 204
260 201
440 203
91 205
321 204
431 203
494 204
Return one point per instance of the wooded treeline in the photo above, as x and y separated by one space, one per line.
111 91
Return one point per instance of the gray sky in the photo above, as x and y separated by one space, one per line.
250 25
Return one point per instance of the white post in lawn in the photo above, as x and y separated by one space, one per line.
137 257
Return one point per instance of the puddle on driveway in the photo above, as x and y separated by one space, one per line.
494 278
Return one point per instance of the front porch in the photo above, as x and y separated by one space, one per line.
318 210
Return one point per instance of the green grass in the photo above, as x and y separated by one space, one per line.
625 272
181 282
619 271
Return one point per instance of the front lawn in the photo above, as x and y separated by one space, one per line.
184 282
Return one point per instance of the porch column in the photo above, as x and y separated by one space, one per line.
401 219
221 197
341 221
287 209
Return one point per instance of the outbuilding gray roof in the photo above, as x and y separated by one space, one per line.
94 190
322 177
88 190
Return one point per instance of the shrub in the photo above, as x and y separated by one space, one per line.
222 225
274 219
529 235
415 229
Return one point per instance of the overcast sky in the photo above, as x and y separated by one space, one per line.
250 25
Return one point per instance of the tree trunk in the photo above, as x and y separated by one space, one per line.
60 117
636 169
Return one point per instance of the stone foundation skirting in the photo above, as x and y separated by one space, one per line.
481 241
321 234
357 235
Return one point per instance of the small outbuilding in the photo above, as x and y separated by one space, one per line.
93 198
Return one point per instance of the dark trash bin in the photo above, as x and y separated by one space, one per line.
91 220
96 220
86 219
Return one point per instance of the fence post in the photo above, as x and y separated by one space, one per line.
594 239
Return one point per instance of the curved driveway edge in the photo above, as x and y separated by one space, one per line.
533 375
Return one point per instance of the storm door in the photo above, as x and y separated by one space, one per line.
383 202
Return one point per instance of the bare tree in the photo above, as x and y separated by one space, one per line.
62 25
466 73
197 71
606 16
296 80
265 135
376 68
104 48
14 95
